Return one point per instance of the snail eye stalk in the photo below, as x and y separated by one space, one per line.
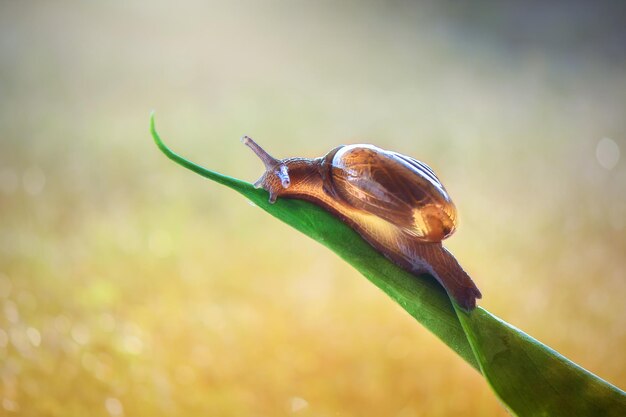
268 160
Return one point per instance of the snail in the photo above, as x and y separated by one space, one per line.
395 202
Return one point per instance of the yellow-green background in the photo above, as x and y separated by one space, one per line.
129 286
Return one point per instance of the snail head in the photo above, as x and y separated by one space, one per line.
276 176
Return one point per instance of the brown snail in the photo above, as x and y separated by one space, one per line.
395 202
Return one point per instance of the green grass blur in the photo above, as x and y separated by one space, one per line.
131 287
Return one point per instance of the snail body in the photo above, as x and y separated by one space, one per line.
396 203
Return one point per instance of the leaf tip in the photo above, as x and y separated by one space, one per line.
157 139
153 131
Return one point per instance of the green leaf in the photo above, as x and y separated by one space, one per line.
530 378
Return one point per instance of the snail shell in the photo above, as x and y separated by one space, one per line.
395 187
396 203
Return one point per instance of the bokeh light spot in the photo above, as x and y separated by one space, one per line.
132 344
114 406
607 153
33 336
80 334
11 312
10 405
298 404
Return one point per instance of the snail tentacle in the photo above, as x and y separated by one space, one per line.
269 161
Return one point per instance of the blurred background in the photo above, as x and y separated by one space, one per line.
132 287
